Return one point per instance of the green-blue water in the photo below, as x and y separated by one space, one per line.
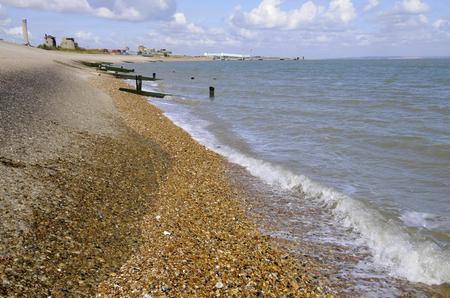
368 140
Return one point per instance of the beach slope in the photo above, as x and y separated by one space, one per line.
102 194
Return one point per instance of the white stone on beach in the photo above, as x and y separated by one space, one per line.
158 217
166 233
219 285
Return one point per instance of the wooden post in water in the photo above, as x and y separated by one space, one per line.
154 76
211 92
139 83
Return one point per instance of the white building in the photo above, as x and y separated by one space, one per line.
227 56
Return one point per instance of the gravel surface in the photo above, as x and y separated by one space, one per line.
75 181
100 194
197 240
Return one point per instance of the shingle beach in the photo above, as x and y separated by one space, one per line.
102 195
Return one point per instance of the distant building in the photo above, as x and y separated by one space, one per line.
144 51
49 41
125 51
68 43
164 52
227 56
150 52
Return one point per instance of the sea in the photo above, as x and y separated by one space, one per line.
352 154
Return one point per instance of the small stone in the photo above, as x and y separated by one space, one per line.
166 233
158 217
219 285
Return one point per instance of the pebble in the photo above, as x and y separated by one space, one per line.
208 217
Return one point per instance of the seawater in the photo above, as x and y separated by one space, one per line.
365 141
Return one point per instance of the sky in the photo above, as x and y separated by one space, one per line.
288 28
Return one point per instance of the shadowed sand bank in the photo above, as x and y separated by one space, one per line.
101 194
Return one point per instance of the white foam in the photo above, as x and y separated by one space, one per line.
391 246
424 220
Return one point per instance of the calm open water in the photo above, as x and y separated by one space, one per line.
368 141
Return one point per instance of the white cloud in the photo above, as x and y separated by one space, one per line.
127 10
87 36
403 22
363 40
182 35
4 20
408 27
269 15
15 32
5 23
179 18
57 5
406 22
180 22
371 4
423 19
441 24
136 10
342 10
246 34
413 6
323 38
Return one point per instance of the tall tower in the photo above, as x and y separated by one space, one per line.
25 32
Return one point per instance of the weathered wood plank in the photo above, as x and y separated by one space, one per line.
114 68
145 93
133 77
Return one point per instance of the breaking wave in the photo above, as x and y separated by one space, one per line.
417 260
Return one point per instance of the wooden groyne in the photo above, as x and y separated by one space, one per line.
115 68
122 73
139 91
134 77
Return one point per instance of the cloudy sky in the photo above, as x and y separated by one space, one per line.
314 28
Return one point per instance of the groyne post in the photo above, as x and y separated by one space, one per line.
154 76
139 83
211 92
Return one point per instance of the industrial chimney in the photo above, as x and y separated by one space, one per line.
25 32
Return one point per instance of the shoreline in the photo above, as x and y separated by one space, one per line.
106 195
329 256
211 186
175 218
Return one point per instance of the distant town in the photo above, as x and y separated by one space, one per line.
70 44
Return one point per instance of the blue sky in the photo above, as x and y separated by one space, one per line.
313 28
